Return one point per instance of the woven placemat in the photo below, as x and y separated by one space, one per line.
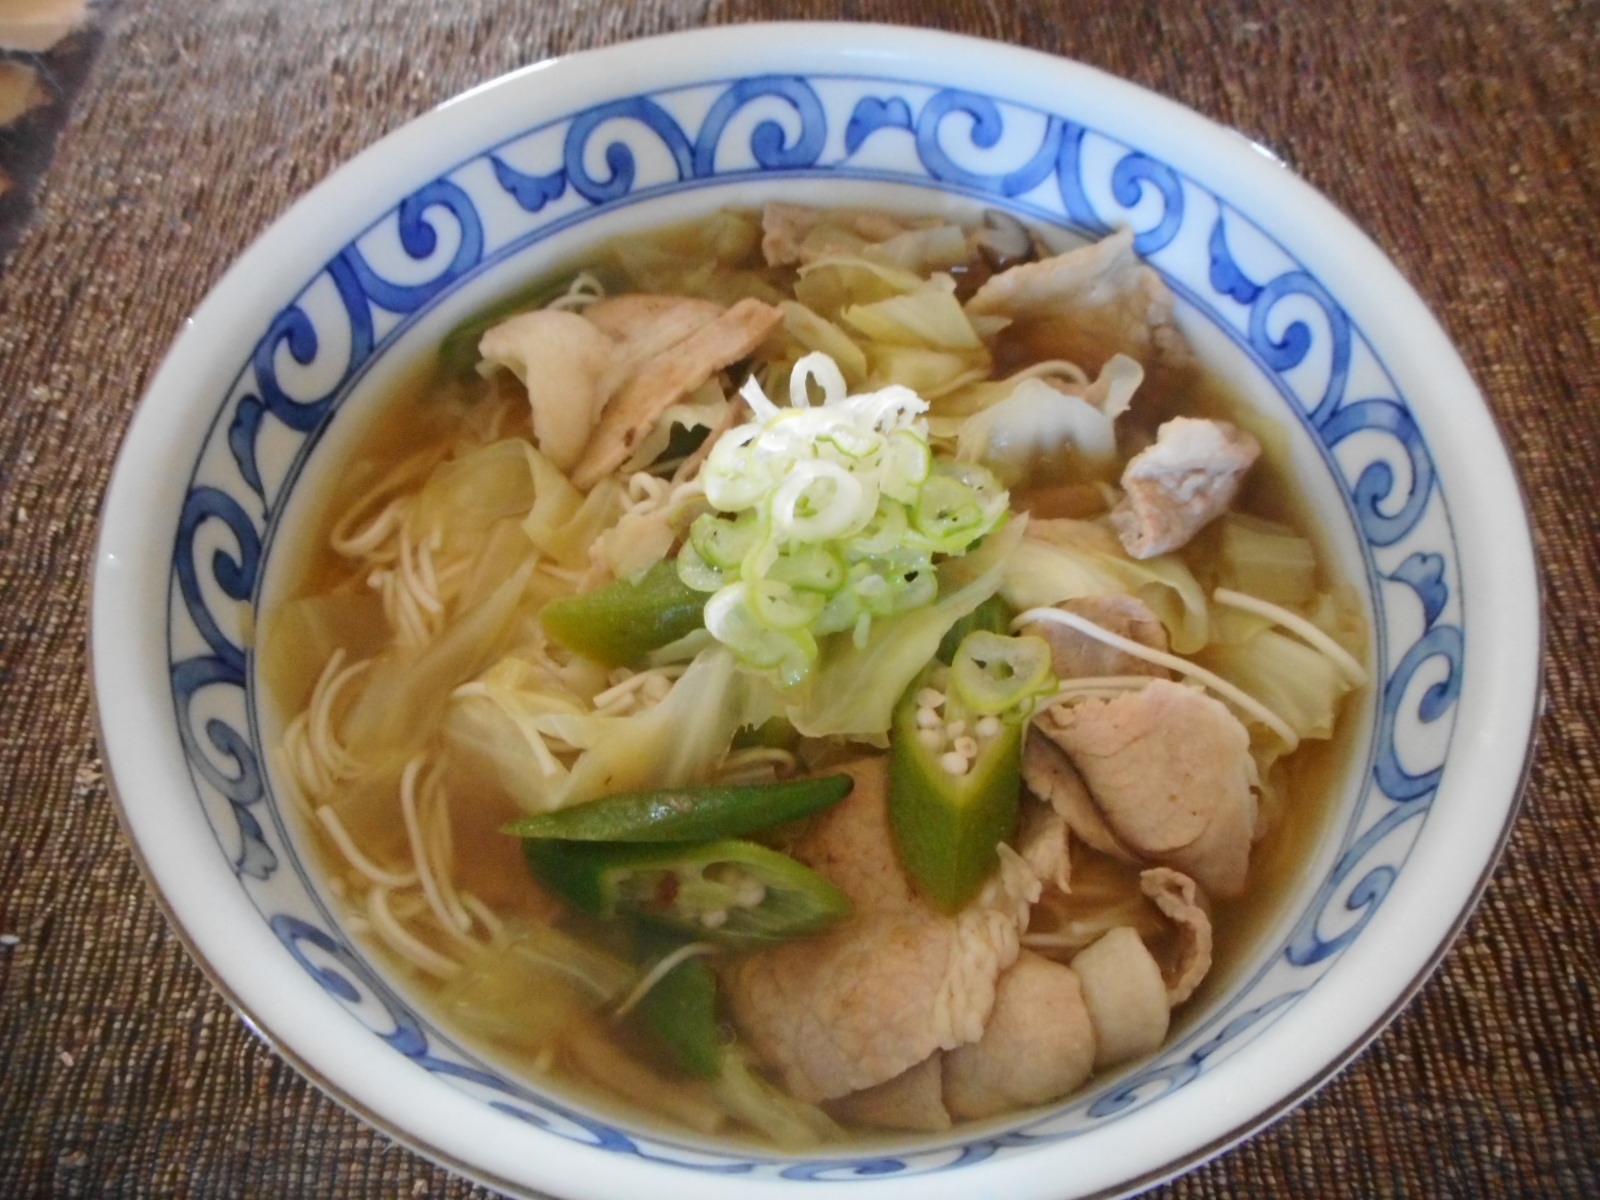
1463 134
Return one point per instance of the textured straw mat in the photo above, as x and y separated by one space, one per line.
1465 136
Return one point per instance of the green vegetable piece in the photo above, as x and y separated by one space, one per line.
686 814
994 615
621 622
730 892
993 673
458 352
946 825
681 1011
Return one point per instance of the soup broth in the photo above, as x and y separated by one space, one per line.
427 703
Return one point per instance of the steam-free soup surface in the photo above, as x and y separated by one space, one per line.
816 674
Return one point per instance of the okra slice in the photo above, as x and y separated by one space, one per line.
731 892
955 761
619 623
686 814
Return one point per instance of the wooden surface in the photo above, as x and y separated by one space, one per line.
1464 136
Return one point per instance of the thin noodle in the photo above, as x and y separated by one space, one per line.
337 762
549 766
1088 685
757 756
492 924
635 682
417 953
419 850
412 577
1295 623
1054 366
302 762
659 972
365 543
583 291
1172 662
406 473
341 838
443 856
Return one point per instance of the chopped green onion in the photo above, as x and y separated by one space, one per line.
827 517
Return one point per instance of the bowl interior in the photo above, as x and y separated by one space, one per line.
481 196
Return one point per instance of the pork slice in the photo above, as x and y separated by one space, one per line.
847 1010
912 1100
873 997
1039 1044
1088 305
787 231
644 326
1043 844
852 846
565 364
659 383
1125 995
1176 487
1181 902
1169 768
1051 776
1076 655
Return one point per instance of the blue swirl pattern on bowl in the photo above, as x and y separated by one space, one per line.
1045 167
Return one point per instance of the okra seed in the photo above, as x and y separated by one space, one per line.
953 763
928 719
933 739
988 726
714 918
753 895
956 728
930 698
967 747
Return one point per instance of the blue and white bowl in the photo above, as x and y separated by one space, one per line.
1384 427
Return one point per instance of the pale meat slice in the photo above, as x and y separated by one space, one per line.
913 1100
565 363
852 845
1043 843
1176 895
1039 1044
645 325
1076 655
660 383
789 231
1170 769
850 1009
1176 487
1125 995
865 1002
1087 305
1050 775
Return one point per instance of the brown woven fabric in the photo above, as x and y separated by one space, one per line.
1463 134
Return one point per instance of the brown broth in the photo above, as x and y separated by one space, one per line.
416 417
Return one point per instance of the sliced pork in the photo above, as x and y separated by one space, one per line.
1039 1045
1125 995
1086 305
1175 488
1076 655
1169 768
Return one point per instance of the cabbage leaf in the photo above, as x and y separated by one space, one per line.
1067 560
853 689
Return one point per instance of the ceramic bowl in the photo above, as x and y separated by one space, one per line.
1384 427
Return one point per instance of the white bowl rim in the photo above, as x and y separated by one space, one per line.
898 43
